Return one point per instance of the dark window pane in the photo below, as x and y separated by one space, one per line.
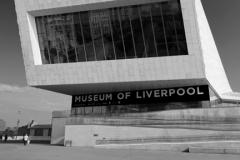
109 48
173 49
119 53
58 32
59 41
183 48
79 38
137 32
97 18
178 21
42 38
53 48
81 54
38 132
49 132
168 21
45 57
62 56
87 36
117 34
108 37
40 25
54 55
44 50
148 32
179 28
99 49
90 51
77 29
158 24
51 40
127 32
41 32
162 50
176 8
68 37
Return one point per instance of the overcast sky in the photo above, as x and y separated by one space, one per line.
224 20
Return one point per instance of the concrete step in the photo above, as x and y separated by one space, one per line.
214 150
177 139
225 125
229 146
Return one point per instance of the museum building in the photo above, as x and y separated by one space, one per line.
123 62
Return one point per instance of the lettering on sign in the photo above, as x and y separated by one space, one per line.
181 94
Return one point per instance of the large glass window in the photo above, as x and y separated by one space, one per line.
138 31
38 132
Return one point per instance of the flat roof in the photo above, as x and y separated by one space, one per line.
42 126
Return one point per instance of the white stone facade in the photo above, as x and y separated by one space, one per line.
202 66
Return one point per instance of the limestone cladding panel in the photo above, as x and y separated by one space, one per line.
215 73
159 68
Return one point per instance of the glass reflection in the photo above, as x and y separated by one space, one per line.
87 34
68 37
78 34
181 38
137 32
170 31
127 32
97 22
117 34
42 40
108 41
148 30
51 42
159 30
58 44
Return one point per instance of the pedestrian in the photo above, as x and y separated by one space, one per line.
6 137
25 140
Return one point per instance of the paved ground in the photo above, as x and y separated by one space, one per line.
17 151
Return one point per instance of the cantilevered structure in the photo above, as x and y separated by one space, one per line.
125 60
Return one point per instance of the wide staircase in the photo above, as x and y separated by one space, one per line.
178 130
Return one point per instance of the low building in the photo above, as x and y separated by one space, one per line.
41 132
25 129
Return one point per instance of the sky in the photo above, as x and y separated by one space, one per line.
15 95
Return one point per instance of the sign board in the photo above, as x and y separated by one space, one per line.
180 94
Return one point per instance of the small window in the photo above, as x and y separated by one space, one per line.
38 132
49 132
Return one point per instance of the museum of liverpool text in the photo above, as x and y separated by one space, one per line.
128 65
